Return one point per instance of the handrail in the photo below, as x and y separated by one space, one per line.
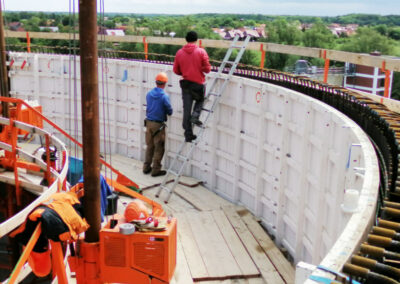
392 63
120 177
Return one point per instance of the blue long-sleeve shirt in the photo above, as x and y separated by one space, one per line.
158 105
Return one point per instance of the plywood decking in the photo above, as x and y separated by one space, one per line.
218 242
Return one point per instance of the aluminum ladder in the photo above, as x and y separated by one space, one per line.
213 95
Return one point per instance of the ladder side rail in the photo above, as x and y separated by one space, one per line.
223 64
230 70
174 161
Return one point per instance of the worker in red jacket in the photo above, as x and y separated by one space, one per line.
191 62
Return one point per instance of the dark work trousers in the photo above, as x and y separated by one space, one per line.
155 146
191 92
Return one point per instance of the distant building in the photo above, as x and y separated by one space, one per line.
52 29
338 29
255 33
16 26
110 32
367 79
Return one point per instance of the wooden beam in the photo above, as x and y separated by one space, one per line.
392 63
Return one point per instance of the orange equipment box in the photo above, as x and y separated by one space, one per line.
141 257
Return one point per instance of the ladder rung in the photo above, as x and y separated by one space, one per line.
214 94
184 158
173 173
230 62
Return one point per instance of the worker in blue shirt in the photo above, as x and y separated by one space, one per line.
158 107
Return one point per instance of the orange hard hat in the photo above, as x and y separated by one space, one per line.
136 210
162 77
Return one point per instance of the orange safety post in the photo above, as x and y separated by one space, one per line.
28 42
326 68
145 47
262 56
120 177
387 79
200 43
14 137
58 262
25 254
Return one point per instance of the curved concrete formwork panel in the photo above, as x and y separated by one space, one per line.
306 170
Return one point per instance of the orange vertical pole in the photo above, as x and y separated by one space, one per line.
25 254
28 42
14 137
58 262
387 79
145 47
200 43
326 68
262 56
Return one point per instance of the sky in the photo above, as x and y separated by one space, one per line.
265 7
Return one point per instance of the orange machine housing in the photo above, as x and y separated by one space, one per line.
142 257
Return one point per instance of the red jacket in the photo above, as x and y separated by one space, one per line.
192 62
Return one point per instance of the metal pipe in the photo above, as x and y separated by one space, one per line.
379 252
384 242
365 273
386 233
3 62
375 266
90 116
389 224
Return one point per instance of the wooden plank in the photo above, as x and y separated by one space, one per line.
238 251
200 197
342 56
193 256
8 177
182 273
267 269
274 254
215 252
190 198
174 205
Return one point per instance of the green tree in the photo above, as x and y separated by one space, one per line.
282 32
318 36
394 33
367 40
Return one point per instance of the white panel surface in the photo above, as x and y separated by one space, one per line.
286 157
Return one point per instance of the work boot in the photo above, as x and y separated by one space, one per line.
158 173
190 138
147 170
196 121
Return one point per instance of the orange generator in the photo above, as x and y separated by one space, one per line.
137 257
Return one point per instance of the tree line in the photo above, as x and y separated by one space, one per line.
375 33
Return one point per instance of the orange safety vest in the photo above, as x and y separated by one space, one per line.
62 203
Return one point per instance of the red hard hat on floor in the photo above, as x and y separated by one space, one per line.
136 210
162 77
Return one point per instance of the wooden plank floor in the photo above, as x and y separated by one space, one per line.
218 242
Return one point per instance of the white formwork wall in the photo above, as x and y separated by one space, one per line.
286 157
